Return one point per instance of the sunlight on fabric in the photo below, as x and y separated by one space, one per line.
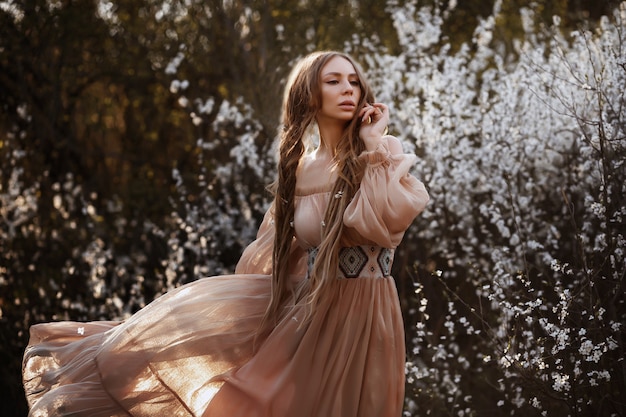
201 401
188 378
144 385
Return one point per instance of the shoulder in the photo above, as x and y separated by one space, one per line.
306 164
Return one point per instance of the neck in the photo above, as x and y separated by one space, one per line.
330 135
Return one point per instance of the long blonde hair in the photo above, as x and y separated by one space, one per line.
301 103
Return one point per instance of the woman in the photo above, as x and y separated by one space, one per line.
309 325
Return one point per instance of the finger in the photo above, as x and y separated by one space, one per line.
382 110
380 107
369 113
377 114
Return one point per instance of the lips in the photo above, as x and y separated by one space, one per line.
347 104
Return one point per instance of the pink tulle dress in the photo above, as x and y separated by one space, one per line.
191 352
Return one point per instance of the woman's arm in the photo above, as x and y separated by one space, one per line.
389 197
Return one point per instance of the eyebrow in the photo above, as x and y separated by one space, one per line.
353 74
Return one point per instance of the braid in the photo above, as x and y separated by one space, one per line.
291 150
299 110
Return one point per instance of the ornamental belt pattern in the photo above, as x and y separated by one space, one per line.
359 261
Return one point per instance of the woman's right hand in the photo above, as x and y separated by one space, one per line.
374 121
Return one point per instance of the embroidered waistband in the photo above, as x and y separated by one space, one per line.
359 261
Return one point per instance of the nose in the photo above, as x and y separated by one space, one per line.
347 87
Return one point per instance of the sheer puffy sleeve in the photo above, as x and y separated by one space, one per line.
257 256
389 197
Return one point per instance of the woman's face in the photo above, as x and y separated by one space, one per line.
340 91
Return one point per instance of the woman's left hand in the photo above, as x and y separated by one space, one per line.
374 120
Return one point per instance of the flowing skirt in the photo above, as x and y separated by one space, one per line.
192 352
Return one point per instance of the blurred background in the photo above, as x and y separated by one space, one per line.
136 142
